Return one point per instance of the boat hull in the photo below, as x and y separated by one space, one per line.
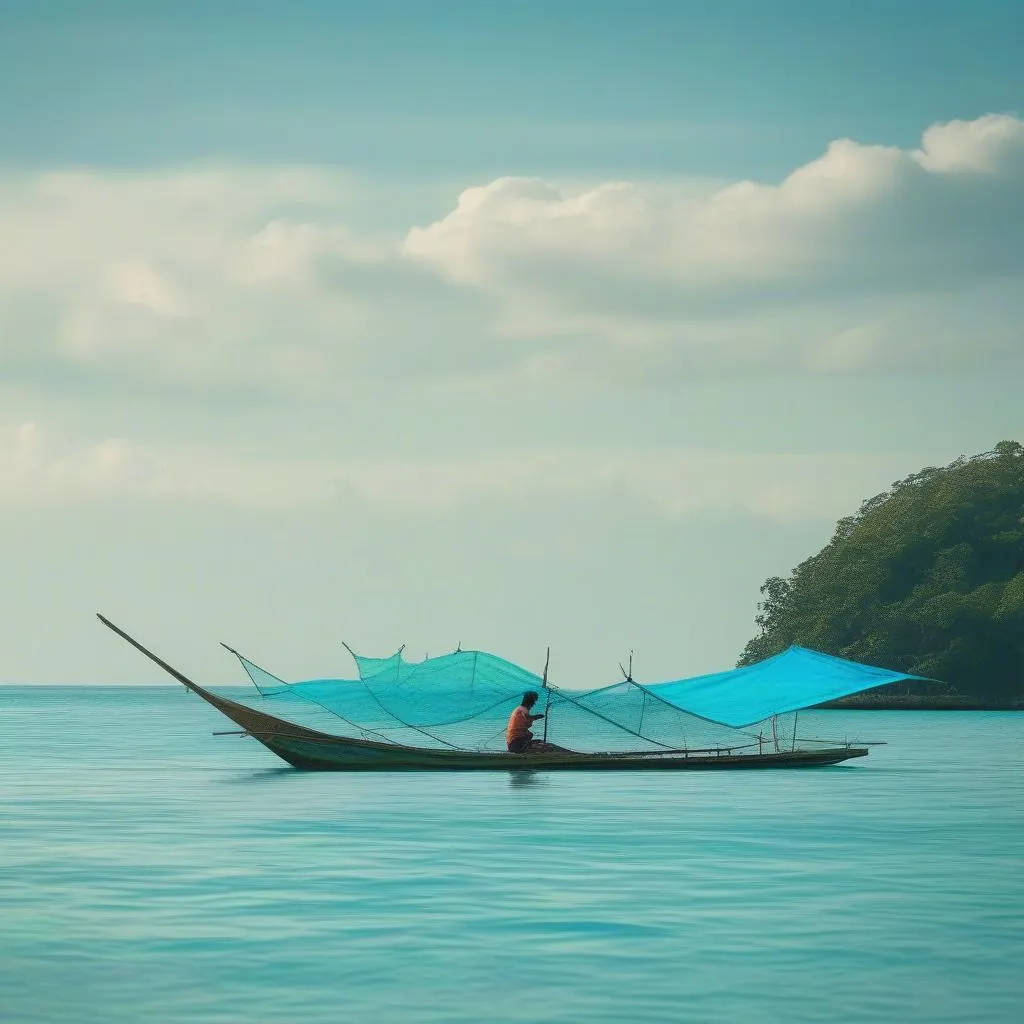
349 755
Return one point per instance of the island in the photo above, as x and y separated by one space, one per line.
925 578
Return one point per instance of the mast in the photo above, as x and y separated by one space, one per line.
627 676
547 703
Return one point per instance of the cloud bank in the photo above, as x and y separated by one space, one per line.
43 466
868 259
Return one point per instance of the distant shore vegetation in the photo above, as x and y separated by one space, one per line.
926 578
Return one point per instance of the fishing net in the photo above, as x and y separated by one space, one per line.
463 700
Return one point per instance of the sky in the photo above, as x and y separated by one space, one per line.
548 324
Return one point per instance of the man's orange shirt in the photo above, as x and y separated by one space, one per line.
518 725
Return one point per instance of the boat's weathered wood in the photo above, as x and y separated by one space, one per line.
348 755
313 750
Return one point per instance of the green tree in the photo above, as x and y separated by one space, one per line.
925 578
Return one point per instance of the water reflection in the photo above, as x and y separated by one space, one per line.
524 777
263 775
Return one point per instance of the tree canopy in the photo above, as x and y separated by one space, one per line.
926 578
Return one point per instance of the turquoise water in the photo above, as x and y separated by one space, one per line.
150 871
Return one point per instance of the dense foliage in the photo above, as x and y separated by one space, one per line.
926 578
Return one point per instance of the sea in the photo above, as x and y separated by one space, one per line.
153 872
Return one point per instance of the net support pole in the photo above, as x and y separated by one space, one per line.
547 702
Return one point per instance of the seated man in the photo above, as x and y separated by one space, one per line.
518 737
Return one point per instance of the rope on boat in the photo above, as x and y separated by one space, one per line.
610 721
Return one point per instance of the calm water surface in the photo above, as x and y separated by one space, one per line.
150 871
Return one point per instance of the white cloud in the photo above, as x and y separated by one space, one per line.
136 283
827 220
993 144
865 240
31 470
199 276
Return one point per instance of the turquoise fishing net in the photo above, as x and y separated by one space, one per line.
463 700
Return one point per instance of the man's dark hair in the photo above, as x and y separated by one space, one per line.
530 698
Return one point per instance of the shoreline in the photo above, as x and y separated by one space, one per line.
914 704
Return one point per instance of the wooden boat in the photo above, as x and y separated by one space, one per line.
310 749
